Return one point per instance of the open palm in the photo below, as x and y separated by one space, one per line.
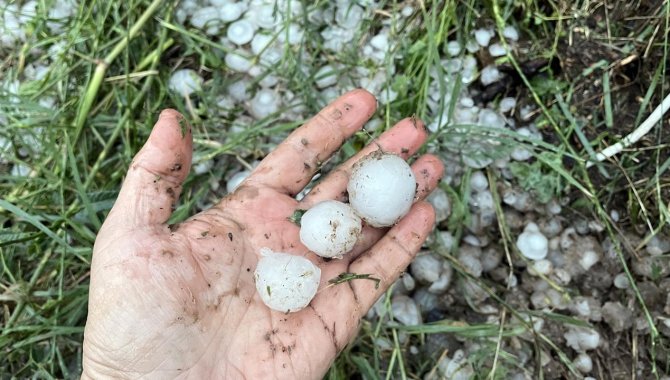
180 301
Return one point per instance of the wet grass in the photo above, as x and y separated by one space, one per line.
108 82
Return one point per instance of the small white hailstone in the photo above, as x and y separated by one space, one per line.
621 281
456 368
472 46
348 15
326 76
240 32
405 310
238 61
426 267
265 103
657 245
588 259
20 170
532 243
381 188
202 167
380 42
238 90
490 118
617 316
614 214
541 267
285 282
478 181
36 72
453 48
582 338
235 181
269 81
231 11
406 11
507 104
554 207
260 42
262 16
497 50
185 82
489 75
293 35
330 229
387 95
526 112
510 33
408 282
441 203
469 63
59 13
383 344
483 36
466 102
205 17
335 38
471 264
440 286
476 159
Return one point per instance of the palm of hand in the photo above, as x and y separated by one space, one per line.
166 302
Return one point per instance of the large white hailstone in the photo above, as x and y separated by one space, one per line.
489 75
240 32
330 229
348 15
185 82
238 61
497 50
265 103
231 11
235 181
483 36
510 33
326 76
285 282
532 244
381 188
582 338
507 104
453 48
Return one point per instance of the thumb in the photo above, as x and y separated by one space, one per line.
153 183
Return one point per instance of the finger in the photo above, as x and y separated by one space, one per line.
391 255
404 139
153 183
291 166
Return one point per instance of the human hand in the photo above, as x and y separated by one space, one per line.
181 301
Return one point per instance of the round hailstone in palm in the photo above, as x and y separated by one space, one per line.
185 82
330 229
286 282
240 32
381 189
